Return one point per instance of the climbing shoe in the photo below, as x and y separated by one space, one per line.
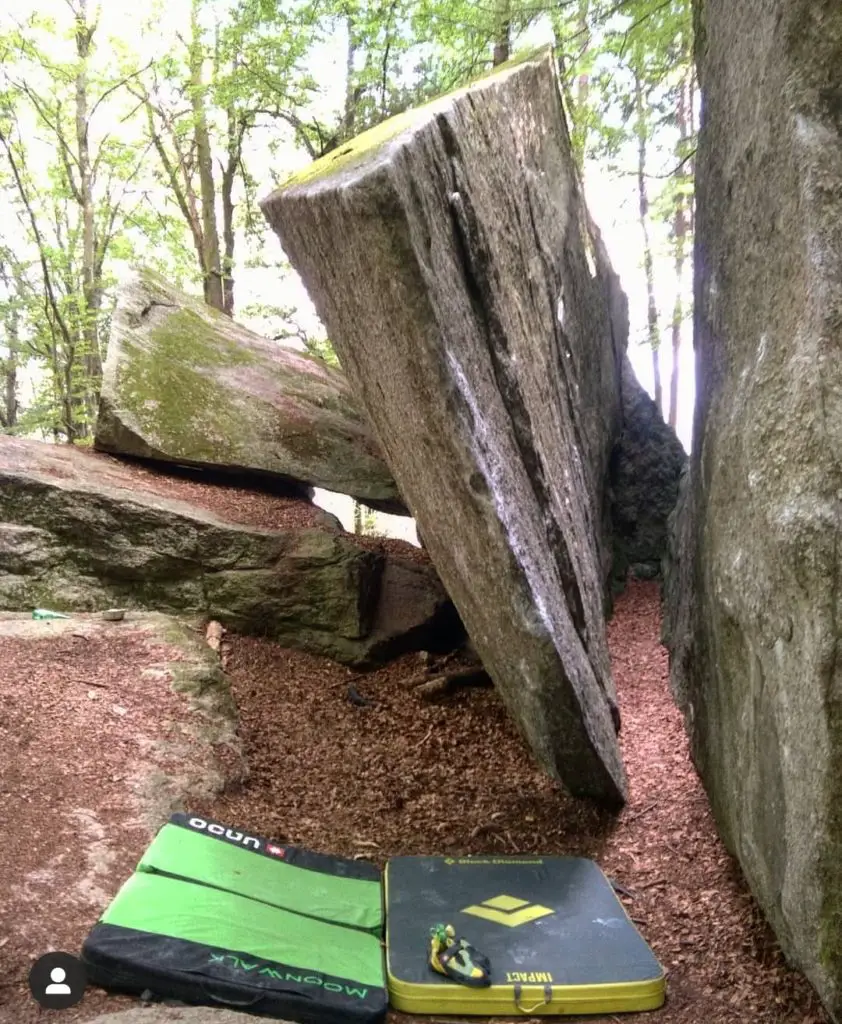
457 959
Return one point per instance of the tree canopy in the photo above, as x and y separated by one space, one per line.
127 138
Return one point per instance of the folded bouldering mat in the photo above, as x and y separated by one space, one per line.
557 938
217 916
332 889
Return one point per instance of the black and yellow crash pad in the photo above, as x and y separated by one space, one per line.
212 919
558 939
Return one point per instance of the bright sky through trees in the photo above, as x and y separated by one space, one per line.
175 92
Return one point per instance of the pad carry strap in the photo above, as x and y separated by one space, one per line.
548 998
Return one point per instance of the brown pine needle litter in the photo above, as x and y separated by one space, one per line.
364 781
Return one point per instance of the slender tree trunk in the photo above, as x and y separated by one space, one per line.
648 262
9 365
503 33
352 94
583 86
10 388
91 285
691 163
679 230
229 174
211 268
68 413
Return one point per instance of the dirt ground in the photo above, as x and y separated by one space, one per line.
364 781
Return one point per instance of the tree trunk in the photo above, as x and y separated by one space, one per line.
583 86
229 174
9 365
91 285
211 269
352 94
691 163
503 33
648 262
679 229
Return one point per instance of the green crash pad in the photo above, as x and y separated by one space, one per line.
558 939
328 888
217 916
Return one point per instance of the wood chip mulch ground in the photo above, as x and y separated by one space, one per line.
365 781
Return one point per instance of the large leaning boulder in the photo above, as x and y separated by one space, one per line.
78 533
450 255
185 384
754 619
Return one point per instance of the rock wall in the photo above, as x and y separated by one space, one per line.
645 468
754 613
450 255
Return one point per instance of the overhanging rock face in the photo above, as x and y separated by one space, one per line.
754 615
450 254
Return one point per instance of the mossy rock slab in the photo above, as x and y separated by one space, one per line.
78 535
183 383
469 298
754 618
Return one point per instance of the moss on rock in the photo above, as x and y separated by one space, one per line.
184 383
168 386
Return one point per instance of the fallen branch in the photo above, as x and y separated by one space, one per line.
483 830
422 741
651 885
640 813
437 686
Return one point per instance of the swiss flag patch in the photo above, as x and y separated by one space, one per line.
276 851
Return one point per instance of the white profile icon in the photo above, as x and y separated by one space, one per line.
58 987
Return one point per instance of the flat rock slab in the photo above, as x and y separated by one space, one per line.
753 615
450 255
77 533
183 383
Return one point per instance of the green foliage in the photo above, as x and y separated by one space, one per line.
322 349
175 150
